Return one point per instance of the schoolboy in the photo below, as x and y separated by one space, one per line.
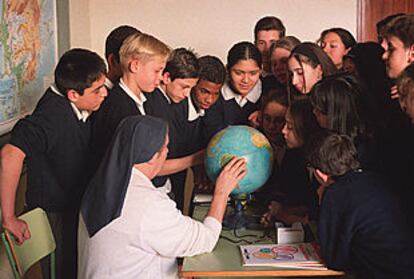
179 77
188 117
113 44
399 35
142 59
54 142
361 229
267 30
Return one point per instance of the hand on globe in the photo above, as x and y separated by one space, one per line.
230 176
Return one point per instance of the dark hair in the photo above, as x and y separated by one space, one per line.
115 39
212 69
337 98
182 63
77 69
277 95
288 43
372 76
346 37
243 51
381 25
405 82
331 153
269 23
402 27
313 55
304 121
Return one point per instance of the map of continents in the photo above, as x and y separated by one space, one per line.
27 56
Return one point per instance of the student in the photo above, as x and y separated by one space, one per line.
179 77
279 54
267 30
381 27
405 85
360 226
143 59
308 64
337 107
241 93
293 197
131 229
337 42
399 54
54 142
112 45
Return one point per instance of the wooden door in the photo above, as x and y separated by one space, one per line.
369 12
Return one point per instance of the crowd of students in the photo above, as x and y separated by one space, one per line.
107 151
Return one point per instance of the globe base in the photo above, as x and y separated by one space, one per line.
238 219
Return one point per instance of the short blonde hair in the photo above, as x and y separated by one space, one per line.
142 46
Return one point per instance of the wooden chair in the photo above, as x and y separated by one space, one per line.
40 244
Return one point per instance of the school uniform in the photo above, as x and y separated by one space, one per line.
362 230
231 109
159 105
55 140
120 103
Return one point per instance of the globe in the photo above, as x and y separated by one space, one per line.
240 141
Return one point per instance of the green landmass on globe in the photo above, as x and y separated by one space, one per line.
241 141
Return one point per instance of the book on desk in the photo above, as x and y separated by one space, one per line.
295 255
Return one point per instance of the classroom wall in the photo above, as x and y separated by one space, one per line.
210 27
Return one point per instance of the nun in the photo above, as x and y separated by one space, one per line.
128 228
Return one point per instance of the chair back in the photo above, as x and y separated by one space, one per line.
40 244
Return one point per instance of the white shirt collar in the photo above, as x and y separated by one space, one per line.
108 83
193 113
253 96
165 94
139 101
82 115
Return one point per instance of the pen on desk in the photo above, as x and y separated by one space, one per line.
246 253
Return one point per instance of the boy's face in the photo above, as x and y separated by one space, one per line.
180 88
264 40
206 93
407 104
148 73
92 97
397 57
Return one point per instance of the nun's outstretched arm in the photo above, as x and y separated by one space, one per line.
176 165
175 235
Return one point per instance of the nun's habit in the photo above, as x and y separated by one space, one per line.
129 228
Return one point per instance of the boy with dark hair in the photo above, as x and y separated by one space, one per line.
399 34
113 44
361 228
54 142
267 30
188 118
179 77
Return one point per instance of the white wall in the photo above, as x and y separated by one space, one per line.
210 26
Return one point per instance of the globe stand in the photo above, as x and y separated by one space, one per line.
238 219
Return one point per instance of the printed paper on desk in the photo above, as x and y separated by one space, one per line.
294 234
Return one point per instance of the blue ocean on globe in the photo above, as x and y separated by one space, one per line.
241 141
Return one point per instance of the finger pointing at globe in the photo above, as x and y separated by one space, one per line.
231 175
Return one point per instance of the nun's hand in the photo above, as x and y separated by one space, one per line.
230 176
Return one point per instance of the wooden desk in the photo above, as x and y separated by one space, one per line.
225 260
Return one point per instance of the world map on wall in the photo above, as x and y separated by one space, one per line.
27 56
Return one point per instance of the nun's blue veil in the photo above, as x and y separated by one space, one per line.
136 140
